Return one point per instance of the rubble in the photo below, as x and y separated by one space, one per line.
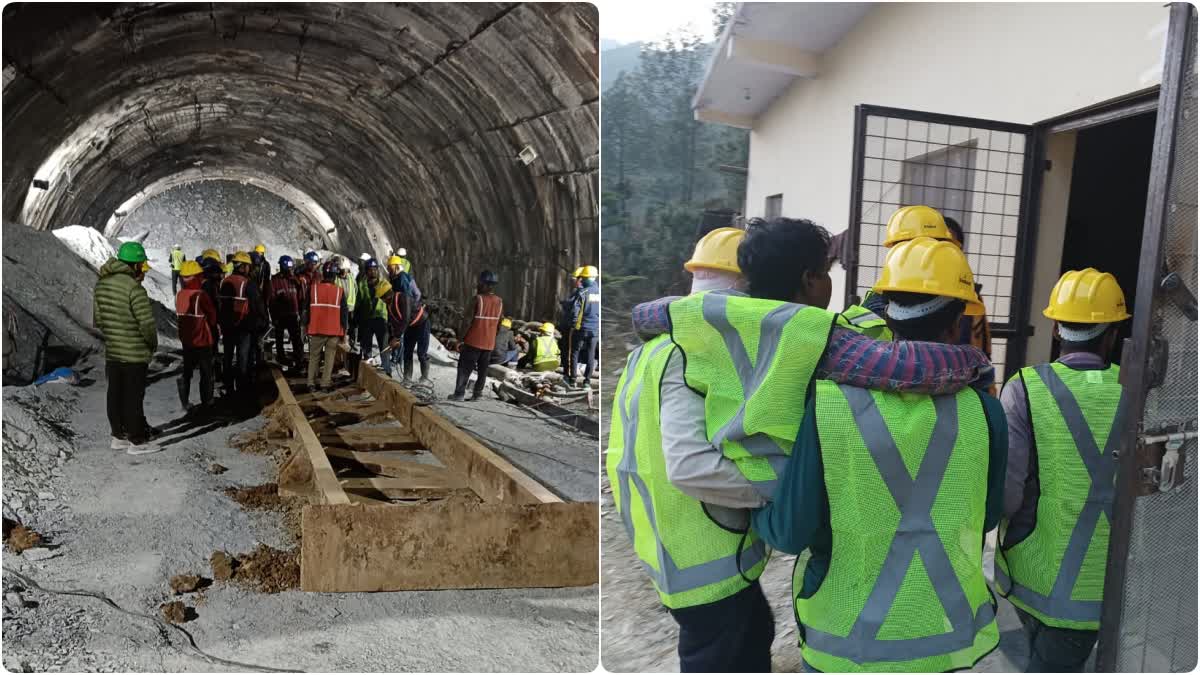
23 539
176 612
186 583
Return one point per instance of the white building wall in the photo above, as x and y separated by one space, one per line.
1011 62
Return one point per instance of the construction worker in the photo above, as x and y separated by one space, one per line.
287 302
241 314
722 463
177 259
876 478
398 278
311 270
121 311
214 274
401 253
543 351
261 269
227 269
975 330
362 266
350 287
585 326
506 350
395 265
197 317
328 319
1065 421
480 338
372 316
409 325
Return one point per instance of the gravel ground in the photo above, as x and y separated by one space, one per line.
639 635
121 526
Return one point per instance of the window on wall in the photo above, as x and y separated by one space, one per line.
774 207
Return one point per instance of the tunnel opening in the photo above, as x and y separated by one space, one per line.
465 133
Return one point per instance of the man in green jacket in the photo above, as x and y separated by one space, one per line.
121 310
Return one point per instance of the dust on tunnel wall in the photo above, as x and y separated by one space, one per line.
403 121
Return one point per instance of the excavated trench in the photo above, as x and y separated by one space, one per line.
383 124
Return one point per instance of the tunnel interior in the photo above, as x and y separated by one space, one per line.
466 133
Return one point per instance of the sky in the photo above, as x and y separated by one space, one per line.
646 20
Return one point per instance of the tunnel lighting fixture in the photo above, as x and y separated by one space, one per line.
527 155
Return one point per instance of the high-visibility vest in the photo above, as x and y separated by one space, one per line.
194 330
547 353
350 287
906 476
690 559
235 305
176 259
366 295
325 310
752 359
1056 573
863 320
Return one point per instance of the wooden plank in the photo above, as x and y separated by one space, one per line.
406 488
491 476
448 544
356 498
392 438
296 475
327 487
368 410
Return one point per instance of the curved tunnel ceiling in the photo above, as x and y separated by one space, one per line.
403 122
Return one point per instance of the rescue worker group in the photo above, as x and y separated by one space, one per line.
869 443
227 308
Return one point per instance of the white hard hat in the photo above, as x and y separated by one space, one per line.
345 264
176 246
401 252
365 256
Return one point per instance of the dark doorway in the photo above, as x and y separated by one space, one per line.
1107 206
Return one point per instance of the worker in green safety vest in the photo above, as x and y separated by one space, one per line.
892 494
1065 421
177 259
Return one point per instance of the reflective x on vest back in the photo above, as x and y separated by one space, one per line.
547 350
690 559
751 359
1057 572
878 603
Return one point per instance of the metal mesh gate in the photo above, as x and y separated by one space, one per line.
1156 603
975 171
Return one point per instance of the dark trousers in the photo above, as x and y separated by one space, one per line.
476 360
566 349
1055 650
376 328
291 326
202 358
239 373
416 338
175 281
126 391
585 352
732 635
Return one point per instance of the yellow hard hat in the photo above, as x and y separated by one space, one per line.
190 268
260 249
577 273
395 260
382 289
145 266
1087 296
548 328
910 222
717 250
931 267
506 322
587 272
242 257
211 253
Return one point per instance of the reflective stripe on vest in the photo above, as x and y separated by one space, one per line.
916 533
337 298
1101 472
325 318
669 578
863 319
762 456
547 350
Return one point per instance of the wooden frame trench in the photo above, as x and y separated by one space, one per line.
477 521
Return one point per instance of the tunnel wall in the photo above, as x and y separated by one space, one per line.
402 121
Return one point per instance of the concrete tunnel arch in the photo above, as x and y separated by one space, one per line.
403 122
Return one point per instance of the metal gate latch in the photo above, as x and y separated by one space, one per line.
1167 475
1178 292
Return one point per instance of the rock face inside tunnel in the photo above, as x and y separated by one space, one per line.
385 123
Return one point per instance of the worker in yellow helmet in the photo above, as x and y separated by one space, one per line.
864 602
1065 421
543 351
583 326
177 259
506 352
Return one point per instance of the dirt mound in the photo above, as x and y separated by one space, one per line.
186 583
217 469
177 612
22 538
222 565
269 570
253 442
258 497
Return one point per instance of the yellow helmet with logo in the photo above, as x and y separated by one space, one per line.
717 250
910 222
211 253
1087 296
931 267
242 257
548 328
190 268
587 272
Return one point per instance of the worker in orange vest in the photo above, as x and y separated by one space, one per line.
480 338
328 319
